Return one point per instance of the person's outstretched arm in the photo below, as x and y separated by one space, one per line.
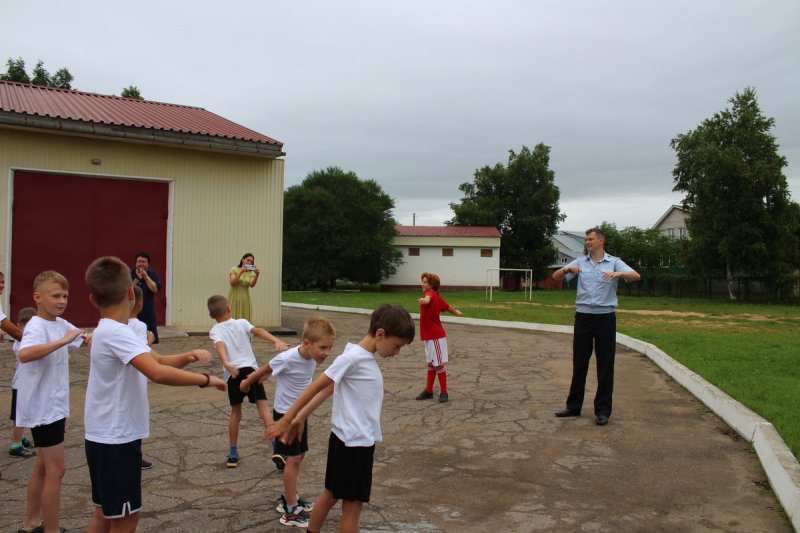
261 333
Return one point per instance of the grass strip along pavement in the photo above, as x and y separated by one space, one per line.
750 351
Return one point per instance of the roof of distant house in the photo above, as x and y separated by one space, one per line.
448 231
100 109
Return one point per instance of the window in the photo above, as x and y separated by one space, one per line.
565 260
447 252
413 252
486 252
682 232
671 232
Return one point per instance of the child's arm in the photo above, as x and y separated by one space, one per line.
156 372
38 351
453 310
150 337
425 300
183 359
223 356
283 427
244 386
11 328
267 336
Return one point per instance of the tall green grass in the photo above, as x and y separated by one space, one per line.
750 351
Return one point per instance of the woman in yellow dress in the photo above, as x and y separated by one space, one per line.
242 277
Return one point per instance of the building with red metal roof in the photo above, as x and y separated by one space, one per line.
463 256
91 174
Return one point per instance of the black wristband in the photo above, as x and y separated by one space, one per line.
208 380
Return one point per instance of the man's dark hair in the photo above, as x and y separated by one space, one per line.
597 231
145 255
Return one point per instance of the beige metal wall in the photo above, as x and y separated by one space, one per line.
221 206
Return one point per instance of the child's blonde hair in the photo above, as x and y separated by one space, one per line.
217 305
109 280
25 314
318 328
50 275
138 294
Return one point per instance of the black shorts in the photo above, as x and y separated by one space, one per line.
236 396
348 474
298 447
116 474
13 417
49 434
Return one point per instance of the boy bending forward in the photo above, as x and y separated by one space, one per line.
356 382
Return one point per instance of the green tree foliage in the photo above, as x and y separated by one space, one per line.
131 91
659 259
741 218
521 200
337 226
15 71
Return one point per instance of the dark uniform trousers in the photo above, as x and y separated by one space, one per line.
598 332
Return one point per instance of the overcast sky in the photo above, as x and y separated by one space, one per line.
417 95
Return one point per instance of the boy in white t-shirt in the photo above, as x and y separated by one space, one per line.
43 396
20 446
293 371
356 383
231 337
116 412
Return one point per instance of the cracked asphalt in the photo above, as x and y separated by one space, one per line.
492 459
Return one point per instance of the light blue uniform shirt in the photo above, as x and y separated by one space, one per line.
596 295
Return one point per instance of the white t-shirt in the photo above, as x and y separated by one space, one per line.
357 396
139 327
292 374
15 349
43 384
2 314
116 409
235 333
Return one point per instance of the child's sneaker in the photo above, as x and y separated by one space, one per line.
443 397
281 507
279 460
233 461
20 451
298 518
424 395
305 505
28 444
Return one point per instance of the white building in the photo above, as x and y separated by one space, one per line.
673 223
460 255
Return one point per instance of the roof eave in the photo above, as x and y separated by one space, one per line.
139 135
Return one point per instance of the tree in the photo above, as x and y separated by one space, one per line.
16 72
741 218
131 91
337 226
520 200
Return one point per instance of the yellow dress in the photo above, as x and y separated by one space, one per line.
239 295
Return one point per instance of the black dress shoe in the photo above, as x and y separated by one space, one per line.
567 412
602 420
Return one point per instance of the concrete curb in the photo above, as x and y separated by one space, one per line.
780 465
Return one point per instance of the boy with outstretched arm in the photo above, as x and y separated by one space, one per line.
117 413
231 337
356 383
43 396
293 371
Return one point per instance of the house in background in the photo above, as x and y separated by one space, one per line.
460 255
569 245
673 223
84 175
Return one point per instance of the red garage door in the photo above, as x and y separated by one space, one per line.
63 223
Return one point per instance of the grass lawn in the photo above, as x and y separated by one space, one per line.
751 351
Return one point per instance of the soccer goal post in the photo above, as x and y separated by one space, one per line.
494 273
